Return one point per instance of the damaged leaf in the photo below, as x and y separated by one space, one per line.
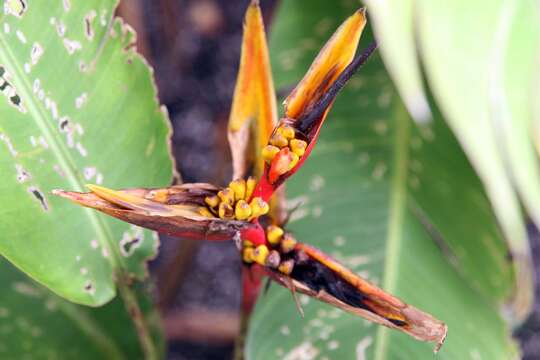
38 323
86 111
494 116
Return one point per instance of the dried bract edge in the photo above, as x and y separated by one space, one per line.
307 270
174 210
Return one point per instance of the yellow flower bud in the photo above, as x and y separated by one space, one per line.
260 254
242 210
239 188
287 131
273 259
259 207
226 211
294 160
205 212
212 201
269 152
274 234
279 140
227 196
247 255
250 186
286 267
288 242
298 146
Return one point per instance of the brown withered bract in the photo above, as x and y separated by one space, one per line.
173 210
306 269
319 276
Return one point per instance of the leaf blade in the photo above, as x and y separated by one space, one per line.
67 137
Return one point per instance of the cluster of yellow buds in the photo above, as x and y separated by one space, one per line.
231 203
283 142
281 244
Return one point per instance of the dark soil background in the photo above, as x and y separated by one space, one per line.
194 47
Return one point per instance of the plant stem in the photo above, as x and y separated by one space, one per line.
134 311
239 344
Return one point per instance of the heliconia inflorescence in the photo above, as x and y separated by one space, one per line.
246 210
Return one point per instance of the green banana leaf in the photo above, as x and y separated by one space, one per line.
79 106
396 202
481 62
40 325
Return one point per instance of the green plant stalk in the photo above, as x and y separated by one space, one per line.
398 199
134 310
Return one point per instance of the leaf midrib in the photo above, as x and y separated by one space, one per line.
66 163
397 207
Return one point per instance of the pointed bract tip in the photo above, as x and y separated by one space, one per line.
252 9
62 193
70 195
440 342
76 197
94 188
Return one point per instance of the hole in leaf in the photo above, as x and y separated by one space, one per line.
89 288
39 196
64 124
9 91
129 244
15 7
15 100
88 29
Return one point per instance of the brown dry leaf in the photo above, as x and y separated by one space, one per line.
254 112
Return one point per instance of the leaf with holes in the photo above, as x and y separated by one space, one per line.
496 43
78 106
35 321
397 203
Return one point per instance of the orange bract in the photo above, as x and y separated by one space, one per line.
253 113
331 61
